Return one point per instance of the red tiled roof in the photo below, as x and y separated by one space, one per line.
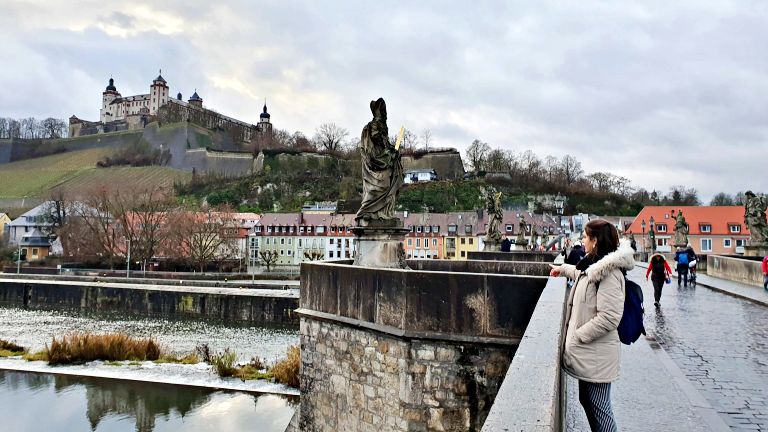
719 217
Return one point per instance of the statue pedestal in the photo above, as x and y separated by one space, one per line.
519 246
380 244
492 246
756 250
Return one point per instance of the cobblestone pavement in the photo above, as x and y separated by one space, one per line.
721 345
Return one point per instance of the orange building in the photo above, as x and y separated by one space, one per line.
712 229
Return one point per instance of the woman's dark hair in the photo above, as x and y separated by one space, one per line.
606 236
658 258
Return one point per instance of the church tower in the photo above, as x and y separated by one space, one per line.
263 131
158 94
107 112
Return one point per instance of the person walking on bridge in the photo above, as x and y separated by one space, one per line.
765 272
659 270
594 310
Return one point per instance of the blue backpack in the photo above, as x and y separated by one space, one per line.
631 324
682 258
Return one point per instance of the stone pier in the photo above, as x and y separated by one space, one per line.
406 350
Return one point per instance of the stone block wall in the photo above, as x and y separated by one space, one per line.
354 379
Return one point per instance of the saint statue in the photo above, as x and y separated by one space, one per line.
754 217
523 229
495 215
681 230
382 170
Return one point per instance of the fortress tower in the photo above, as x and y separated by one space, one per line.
107 112
196 100
158 93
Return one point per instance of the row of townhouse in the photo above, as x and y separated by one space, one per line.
712 229
299 237
453 235
295 236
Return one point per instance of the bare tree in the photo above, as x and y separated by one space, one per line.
53 128
202 237
426 136
571 169
497 160
269 258
330 136
142 215
477 153
4 128
313 255
721 199
92 228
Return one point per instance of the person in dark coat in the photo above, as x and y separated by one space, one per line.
577 253
506 245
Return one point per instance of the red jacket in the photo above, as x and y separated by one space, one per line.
666 267
765 265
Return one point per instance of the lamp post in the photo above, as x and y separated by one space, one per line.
645 241
128 261
18 260
652 235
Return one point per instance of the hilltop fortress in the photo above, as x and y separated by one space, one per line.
120 113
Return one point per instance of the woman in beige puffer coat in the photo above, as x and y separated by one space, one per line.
595 305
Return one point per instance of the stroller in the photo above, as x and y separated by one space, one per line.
692 272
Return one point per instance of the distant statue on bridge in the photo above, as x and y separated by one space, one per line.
754 217
382 170
523 229
495 216
681 230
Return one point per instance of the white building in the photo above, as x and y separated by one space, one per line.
420 175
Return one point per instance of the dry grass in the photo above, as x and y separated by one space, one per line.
224 363
38 356
287 371
10 349
187 359
83 347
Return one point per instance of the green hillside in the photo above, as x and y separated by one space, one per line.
77 172
34 177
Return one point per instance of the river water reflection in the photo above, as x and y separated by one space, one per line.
34 328
42 402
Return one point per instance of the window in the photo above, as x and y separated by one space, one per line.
268 241
269 229
468 229
34 252
741 242
330 254
706 245
463 240
333 228
508 228
418 228
434 242
418 243
282 241
309 229
301 229
258 229
662 241
452 229
290 241
282 252
290 229
413 228
331 241
726 243
299 243
320 229
705 228
734 228
471 240
290 252
463 254
662 228
435 229
450 243
410 242
427 229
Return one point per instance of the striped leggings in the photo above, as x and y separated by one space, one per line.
596 400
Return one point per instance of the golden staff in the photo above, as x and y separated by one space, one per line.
400 136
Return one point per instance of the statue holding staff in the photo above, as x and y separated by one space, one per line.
382 170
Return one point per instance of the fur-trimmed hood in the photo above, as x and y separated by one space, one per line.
622 259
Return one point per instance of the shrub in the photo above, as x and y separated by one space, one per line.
224 363
10 346
80 347
204 352
287 371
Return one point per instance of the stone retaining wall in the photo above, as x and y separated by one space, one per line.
359 380
247 305
735 269
513 256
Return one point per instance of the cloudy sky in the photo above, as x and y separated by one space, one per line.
662 94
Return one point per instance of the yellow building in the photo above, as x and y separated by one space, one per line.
35 246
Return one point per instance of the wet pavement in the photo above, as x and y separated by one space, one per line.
711 372
721 344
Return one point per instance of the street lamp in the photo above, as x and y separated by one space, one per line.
645 242
652 235
128 261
